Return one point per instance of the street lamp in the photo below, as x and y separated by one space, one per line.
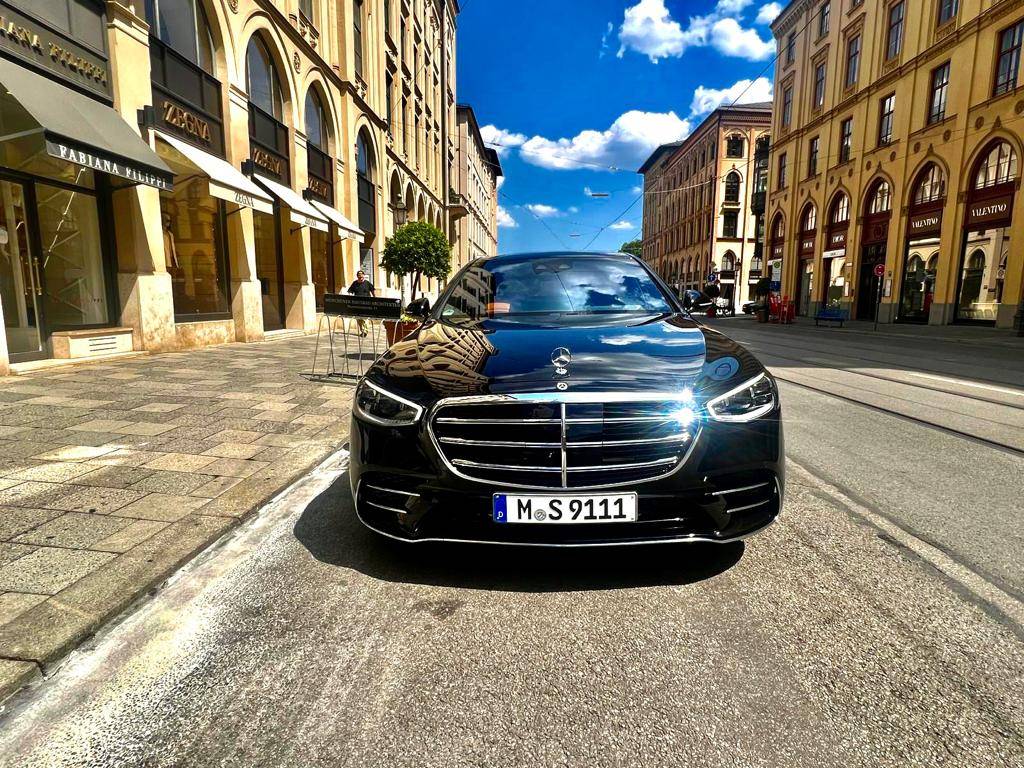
401 214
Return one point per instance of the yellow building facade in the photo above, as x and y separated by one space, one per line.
894 171
475 175
193 172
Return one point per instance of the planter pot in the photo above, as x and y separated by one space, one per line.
397 330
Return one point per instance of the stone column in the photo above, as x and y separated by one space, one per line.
144 286
299 294
246 296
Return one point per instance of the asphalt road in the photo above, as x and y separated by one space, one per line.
877 624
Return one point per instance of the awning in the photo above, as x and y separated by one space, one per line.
224 181
347 230
301 212
81 130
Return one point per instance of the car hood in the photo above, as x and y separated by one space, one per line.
662 353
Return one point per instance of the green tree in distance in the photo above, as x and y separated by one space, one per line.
418 249
634 247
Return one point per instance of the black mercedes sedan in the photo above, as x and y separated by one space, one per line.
565 399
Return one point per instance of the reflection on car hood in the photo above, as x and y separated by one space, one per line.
660 353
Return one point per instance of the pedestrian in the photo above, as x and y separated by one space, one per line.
361 287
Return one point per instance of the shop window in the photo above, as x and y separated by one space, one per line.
262 80
182 26
998 167
810 219
931 185
881 198
840 209
82 20
194 251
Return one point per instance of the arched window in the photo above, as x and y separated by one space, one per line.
316 121
732 188
734 146
810 218
357 36
262 80
182 26
364 178
729 261
881 198
777 228
977 260
997 167
840 209
931 185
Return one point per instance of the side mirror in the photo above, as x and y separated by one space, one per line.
418 307
690 299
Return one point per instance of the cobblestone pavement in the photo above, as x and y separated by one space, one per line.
112 475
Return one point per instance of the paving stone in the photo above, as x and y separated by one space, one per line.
17 520
126 457
233 450
147 428
216 486
161 506
280 441
48 570
237 436
97 500
13 604
160 407
232 467
9 552
52 472
279 416
112 476
101 425
15 674
75 453
180 462
74 530
133 534
271 455
178 483
31 493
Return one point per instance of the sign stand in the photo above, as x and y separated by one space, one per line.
879 273
340 311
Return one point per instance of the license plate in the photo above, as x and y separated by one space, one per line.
569 510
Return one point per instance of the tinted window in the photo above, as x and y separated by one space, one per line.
568 285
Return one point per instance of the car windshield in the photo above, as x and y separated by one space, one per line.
507 289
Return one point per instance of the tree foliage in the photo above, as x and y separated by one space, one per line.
634 247
418 249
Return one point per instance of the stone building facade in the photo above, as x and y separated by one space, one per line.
698 193
193 172
475 211
897 138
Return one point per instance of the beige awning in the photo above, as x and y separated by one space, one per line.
300 211
223 180
346 229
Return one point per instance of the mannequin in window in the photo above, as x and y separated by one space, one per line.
170 252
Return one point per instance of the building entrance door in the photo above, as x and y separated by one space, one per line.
21 278
867 283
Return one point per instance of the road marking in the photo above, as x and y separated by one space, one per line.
977 585
1004 390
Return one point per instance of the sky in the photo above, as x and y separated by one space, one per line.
576 94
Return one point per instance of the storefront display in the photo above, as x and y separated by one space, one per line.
805 274
921 255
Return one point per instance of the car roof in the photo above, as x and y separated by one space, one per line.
560 254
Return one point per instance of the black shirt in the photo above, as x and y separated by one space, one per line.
364 288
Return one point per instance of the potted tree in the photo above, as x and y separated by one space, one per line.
416 249
762 288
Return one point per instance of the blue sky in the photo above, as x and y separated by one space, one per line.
572 88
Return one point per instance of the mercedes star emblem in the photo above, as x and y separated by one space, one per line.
560 358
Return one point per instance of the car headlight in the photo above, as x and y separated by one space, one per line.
746 402
376 404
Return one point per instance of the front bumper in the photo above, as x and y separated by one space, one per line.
730 487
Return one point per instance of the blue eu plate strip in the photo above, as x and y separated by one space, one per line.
500 510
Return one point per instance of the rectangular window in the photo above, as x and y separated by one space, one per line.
823 16
782 171
812 156
734 146
819 86
387 17
845 139
894 38
940 89
389 87
791 48
306 9
787 106
947 10
852 61
357 36
730 221
1009 58
886 110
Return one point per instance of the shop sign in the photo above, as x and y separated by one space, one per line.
137 174
807 244
186 122
994 212
924 224
777 249
835 253
37 45
319 188
268 162
875 231
837 239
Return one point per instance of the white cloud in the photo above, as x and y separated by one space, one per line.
543 211
573 209
623 225
500 140
748 91
500 182
768 12
649 28
728 37
505 219
625 144
604 40
637 190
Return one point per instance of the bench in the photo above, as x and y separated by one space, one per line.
830 315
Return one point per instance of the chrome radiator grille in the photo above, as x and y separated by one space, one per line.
552 444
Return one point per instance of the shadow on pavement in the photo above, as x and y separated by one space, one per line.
329 529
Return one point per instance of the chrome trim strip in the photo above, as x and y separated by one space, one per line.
564 469
683 438
503 467
392 490
386 508
497 443
748 506
737 490
615 467
621 419
565 453
455 420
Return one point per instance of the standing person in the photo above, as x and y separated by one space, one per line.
361 287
